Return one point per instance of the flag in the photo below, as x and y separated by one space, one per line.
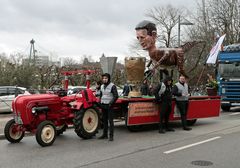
215 50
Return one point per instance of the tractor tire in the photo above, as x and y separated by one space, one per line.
60 129
11 133
132 128
46 133
191 122
86 122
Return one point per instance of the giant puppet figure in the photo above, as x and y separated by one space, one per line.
146 33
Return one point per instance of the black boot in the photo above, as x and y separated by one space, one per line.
161 130
184 124
170 129
187 128
110 138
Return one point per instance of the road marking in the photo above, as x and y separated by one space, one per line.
191 145
232 114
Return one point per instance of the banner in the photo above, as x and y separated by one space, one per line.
140 109
215 50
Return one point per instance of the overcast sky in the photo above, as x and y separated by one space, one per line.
72 28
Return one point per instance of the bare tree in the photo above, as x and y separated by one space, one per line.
213 17
225 16
69 61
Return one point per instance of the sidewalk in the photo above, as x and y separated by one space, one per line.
3 120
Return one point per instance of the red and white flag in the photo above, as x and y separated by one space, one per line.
215 50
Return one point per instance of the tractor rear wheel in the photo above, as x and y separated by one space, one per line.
46 133
86 122
12 132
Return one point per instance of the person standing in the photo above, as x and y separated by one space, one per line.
145 88
163 92
108 96
126 89
181 91
98 88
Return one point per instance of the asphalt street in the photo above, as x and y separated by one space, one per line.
213 142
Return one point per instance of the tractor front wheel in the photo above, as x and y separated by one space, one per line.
13 132
86 122
46 133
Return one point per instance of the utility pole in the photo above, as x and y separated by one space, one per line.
179 20
185 22
32 52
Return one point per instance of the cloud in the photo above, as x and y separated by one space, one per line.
72 27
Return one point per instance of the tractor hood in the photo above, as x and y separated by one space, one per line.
22 105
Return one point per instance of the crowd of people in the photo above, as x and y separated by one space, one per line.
164 92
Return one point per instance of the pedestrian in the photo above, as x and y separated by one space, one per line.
108 96
163 93
98 88
181 91
126 89
145 88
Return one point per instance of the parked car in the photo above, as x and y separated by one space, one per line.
7 95
75 89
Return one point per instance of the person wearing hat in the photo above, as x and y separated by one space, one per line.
163 93
108 96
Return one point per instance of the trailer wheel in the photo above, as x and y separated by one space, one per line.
12 132
225 107
60 129
132 128
46 133
191 122
86 122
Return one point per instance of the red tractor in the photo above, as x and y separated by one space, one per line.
48 115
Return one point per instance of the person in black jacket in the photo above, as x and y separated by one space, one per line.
163 93
98 88
181 91
108 96
145 88
126 89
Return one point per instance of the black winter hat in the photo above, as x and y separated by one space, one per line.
107 75
168 78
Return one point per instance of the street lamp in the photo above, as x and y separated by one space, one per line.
182 23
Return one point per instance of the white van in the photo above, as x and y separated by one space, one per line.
7 95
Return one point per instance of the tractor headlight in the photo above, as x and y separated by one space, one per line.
34 110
